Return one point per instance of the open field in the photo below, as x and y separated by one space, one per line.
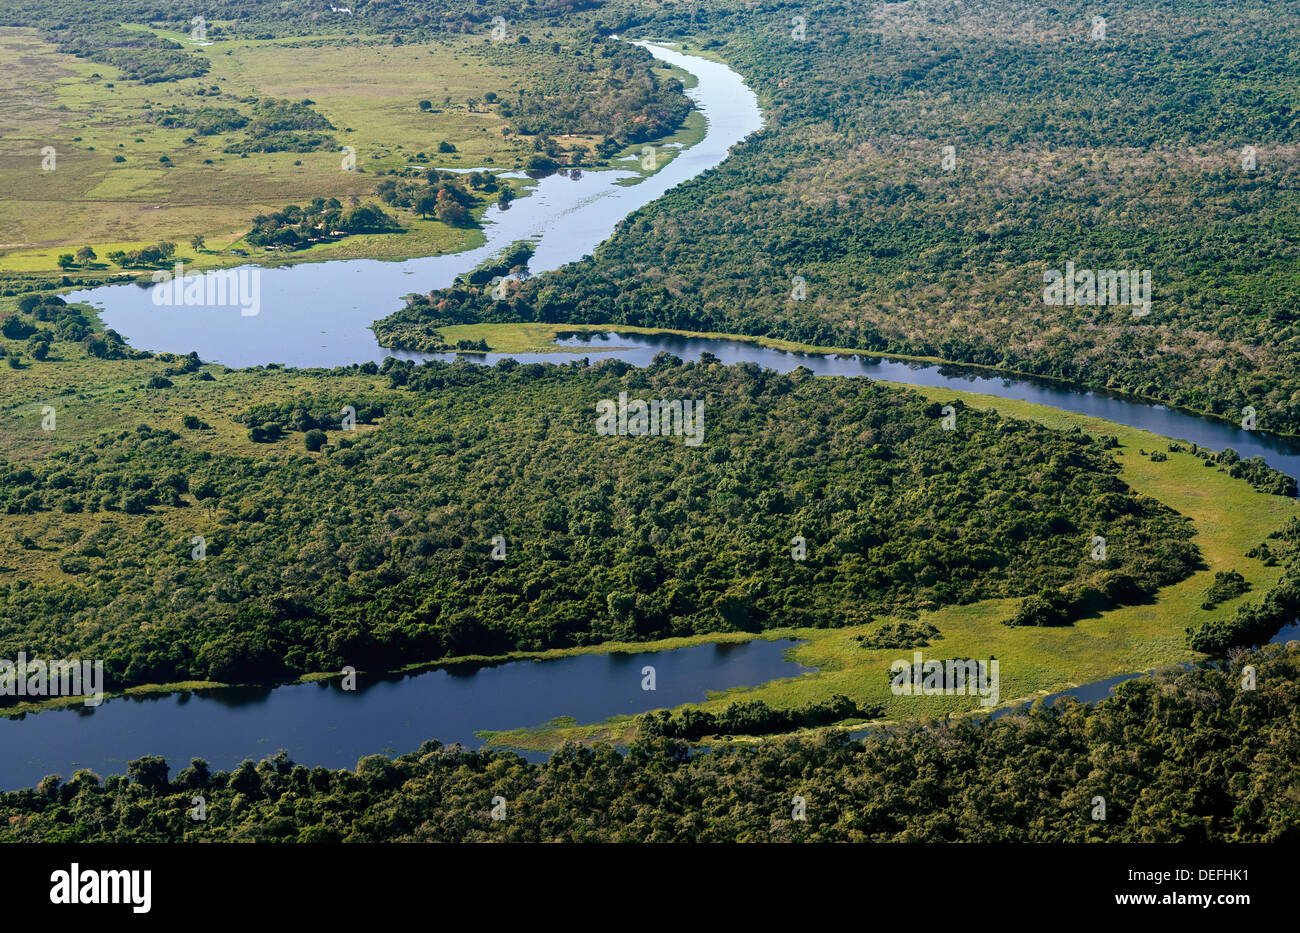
368 89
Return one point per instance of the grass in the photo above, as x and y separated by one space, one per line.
1230 517
367 88
19 709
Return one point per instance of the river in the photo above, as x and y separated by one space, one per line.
319 313
334 302
322 724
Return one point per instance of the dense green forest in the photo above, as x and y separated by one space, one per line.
373 547
1123 153
1185 756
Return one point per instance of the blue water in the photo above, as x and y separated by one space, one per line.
322 724
318 314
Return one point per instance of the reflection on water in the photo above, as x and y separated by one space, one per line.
319 723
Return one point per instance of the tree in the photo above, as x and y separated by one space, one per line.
38 345
150 772
365 217
426 204
449 210
314 439
66 261
15 328
85 255
265 433
426 105
196 242
196 777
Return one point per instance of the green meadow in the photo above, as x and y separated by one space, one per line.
112 190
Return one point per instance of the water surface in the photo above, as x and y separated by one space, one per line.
319 313
1281 453
322 724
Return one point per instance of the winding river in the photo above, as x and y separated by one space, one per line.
318 315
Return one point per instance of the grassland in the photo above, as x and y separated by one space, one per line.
369 89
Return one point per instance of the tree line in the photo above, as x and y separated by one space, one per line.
1182 756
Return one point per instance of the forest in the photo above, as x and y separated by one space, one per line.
1122 153
922 165
1182 756
605 538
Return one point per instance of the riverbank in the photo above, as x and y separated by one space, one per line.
541 337
1230 518
458 662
